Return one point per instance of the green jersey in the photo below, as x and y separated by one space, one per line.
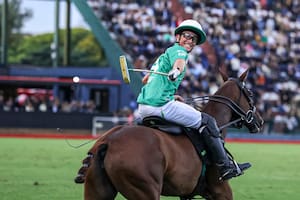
159 89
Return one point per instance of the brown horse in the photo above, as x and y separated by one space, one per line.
143 163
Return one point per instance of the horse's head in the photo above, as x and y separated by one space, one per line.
240 101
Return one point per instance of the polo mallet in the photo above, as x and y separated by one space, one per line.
125 70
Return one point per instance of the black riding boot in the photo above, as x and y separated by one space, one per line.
219 156
211 135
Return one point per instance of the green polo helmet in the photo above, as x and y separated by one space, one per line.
194 26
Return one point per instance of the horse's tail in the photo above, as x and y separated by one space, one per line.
101 154
81 175
86 162
95 158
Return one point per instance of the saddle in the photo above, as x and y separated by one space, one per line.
195 138
177 129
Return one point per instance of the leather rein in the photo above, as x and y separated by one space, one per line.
243 116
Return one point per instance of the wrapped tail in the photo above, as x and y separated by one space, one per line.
87 161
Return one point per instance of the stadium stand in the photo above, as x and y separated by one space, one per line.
262 35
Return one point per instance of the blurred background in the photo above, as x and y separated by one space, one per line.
60 58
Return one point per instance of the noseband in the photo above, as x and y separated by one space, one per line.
244 116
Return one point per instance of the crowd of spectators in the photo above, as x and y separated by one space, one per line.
262 35
47 103
44 103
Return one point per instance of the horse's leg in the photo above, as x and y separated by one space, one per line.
97 184
221 192
143 190
100 189
137 173
217 190
143 181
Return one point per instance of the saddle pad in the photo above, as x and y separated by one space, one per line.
163 125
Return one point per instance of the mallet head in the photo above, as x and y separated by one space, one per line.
124 69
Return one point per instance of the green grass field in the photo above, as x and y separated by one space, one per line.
35 169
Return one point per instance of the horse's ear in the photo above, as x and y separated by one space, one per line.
244 75
223 74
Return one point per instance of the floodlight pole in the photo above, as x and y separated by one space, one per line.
67 40
4 33
56 36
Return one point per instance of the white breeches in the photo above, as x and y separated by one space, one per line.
174 111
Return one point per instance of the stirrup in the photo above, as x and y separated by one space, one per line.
228 175
230 171
238 170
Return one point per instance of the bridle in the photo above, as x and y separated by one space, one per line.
244 117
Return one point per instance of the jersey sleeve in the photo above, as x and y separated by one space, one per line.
177 52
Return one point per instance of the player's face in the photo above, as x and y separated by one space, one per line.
187 39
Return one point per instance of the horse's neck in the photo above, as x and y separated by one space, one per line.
221 120
221 113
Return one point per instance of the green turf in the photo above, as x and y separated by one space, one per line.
35 169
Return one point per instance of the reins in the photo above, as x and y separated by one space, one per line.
244 116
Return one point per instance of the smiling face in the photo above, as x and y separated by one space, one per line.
187 39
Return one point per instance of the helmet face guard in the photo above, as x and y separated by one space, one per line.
194 26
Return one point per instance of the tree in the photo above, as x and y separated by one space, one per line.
86 49
32 50
15 21
35 50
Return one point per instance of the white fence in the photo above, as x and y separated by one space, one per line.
101 124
